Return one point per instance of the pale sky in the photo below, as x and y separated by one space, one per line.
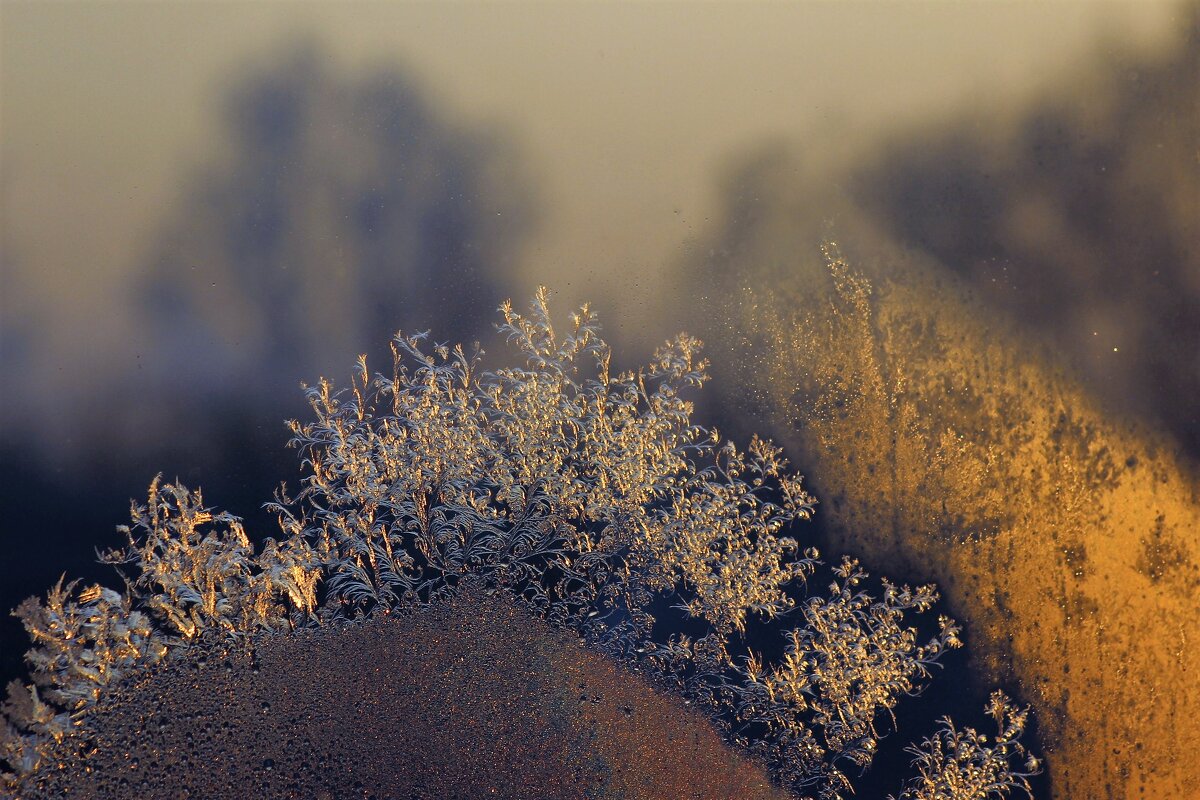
624 113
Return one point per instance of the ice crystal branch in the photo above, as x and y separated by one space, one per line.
852 659
192 580
83 642
960 765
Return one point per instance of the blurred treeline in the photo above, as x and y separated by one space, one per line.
1079 218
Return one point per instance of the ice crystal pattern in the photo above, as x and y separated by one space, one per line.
590 496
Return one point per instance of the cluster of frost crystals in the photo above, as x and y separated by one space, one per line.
192 578
83 642
960 765
851 659
183 579
591 497
581 488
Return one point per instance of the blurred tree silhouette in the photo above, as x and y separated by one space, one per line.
1079 217
344 209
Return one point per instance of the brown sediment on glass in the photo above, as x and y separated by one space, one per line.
467 698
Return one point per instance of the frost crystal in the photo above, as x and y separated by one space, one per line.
588 495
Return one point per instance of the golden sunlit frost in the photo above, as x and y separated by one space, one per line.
1063 539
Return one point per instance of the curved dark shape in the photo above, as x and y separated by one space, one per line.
471 698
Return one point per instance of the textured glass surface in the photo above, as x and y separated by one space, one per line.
946 256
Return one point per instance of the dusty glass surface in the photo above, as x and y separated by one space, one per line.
945 254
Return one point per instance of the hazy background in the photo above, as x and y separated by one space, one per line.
204 204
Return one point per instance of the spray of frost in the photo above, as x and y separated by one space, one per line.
587 494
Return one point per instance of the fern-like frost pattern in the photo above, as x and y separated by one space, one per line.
588 494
